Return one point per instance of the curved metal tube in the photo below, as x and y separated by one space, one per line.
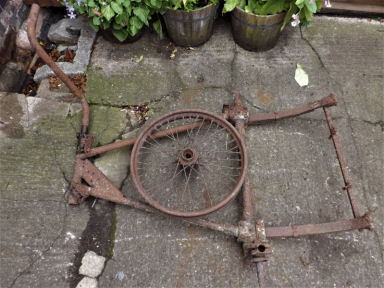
31 29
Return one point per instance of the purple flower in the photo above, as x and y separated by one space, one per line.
296 20
79 2
311 2
70 9
72 15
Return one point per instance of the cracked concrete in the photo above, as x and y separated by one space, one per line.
293 168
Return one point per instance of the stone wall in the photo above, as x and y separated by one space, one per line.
12 15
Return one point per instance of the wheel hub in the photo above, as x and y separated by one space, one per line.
188 157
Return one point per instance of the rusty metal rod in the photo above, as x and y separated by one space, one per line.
227 229
31 29
248 213
258 119
131 141
260 274
343 167
363 222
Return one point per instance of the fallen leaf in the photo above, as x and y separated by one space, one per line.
98 13
301 76
191 48
140 59
305 264
173 54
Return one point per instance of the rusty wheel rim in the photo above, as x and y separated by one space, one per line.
189 163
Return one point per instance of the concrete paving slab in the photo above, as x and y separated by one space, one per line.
38 238
295 178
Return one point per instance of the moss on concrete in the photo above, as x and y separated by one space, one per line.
138 85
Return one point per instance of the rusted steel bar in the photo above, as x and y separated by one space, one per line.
260 274
262 118
343 167
101 187
363 222
248 214
31 29
131 141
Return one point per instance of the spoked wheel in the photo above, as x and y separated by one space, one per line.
189 163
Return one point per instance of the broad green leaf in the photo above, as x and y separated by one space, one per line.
116 26
95 27
252 5
241 3
229 5
121 34
301 76
127 3
312 7
300 3
274 7
308 13
158 28
142 13
96 20
156 3
117 7
292 10
107 12
105 25
92 4
135 25
122 19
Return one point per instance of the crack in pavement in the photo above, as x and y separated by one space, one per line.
44 253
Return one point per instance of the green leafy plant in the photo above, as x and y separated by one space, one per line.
189 5
300 11
123 17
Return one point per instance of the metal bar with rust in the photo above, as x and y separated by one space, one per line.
363 222
343 167
31 29
262 118
131 141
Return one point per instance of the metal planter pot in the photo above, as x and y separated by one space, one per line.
190 28
256 32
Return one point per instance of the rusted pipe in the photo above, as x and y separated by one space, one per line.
131 141
31 29
262 118
343 167
363 222
248 214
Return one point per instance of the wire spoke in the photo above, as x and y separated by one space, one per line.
207 187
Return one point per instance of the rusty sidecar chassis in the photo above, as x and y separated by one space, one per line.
188 161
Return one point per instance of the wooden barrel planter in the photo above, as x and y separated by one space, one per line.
190 28
256 32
